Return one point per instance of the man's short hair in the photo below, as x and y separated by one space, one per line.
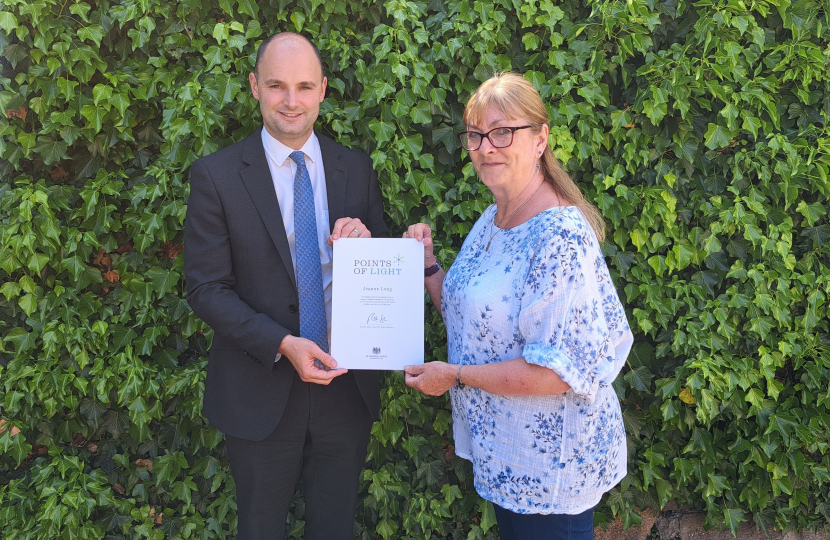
267 41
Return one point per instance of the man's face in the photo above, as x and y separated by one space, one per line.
289 86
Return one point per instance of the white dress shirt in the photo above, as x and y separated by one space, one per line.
283 170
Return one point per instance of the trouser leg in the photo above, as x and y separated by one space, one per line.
334 456
266 471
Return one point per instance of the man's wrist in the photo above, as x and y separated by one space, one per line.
284 345
431 270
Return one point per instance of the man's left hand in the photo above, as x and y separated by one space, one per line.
348 228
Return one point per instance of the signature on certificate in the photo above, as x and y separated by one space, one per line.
375 318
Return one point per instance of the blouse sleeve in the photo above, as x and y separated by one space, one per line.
563 316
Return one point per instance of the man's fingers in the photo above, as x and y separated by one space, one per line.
316 375
337 230
347 227
326 359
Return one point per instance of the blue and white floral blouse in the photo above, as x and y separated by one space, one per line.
543 293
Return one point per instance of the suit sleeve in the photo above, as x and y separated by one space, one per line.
374 218
210 278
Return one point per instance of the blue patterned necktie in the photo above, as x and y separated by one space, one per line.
309 271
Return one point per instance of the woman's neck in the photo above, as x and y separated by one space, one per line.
508 201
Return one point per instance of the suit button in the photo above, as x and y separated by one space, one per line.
292 308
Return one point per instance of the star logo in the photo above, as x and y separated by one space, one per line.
398 260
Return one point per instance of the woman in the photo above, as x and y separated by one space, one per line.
536 330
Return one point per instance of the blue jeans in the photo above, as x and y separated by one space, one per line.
513 526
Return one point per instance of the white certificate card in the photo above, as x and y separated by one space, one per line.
377 303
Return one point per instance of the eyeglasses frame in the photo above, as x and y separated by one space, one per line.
513 131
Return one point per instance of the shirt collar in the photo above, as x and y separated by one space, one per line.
280 152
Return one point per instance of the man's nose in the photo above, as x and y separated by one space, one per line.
290 97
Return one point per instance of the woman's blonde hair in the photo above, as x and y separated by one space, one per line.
515 97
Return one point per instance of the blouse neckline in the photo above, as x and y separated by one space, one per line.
552 209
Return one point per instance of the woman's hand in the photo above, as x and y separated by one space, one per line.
432 378
421 231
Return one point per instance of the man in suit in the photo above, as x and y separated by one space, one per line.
261 221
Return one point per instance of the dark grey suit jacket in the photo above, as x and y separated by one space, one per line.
240 277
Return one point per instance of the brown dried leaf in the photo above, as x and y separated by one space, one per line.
91 447
118 488
17 113
59 172
156 517
170 251
101 257
126 247
14 430
78 441
144 463
112 276
449 452
42 450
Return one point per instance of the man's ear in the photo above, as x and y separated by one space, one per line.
254 89
323 89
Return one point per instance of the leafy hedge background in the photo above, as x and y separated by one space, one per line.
699 129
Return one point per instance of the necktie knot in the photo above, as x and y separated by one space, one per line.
299 157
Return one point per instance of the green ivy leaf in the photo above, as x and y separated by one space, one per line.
718 136
227 88
421 114
51 150
93 32
488 514
733 517
8 21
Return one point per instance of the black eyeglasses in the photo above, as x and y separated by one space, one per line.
500 137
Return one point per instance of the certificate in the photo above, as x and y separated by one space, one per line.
377 303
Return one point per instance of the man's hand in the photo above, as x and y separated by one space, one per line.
432 378
347 227
302 353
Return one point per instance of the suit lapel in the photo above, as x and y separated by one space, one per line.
260 186
336 177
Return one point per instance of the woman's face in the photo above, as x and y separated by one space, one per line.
508 168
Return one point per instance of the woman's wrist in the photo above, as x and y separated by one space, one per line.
432 269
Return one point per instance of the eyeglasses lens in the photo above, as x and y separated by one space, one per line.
470 141
499 138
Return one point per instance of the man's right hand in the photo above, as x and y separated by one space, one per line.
302 352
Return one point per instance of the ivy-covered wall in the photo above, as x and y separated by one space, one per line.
698 128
